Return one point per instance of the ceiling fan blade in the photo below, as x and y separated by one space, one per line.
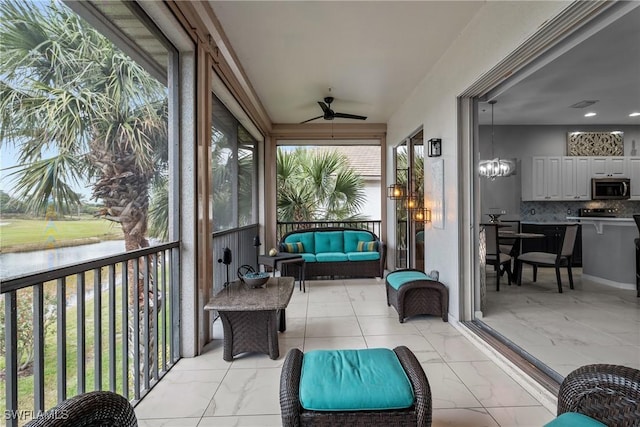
349 116
319 117
325 107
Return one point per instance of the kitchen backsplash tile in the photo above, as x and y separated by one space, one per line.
559 211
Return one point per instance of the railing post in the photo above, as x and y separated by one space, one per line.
82 350
125 328
62 338
97 328
11 357
112 328
38 347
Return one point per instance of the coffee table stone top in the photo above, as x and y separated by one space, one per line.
274 295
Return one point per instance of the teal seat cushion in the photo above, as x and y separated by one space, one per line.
574 419
307 240
363 256
309 257
353 380
351 239
331 257
399 278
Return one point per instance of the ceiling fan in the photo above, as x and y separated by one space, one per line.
329 114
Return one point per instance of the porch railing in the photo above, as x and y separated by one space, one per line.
283 228
94 328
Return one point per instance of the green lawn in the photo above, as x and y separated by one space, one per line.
20 234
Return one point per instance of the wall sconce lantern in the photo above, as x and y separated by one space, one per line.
421 215
411 201
434 149
396 191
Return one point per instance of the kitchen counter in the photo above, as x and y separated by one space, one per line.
608 250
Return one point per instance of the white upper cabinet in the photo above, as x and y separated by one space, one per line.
541 179
575 180
633 168
608 167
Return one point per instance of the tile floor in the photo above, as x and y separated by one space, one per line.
469 390
592 323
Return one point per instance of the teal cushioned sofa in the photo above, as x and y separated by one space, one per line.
337 252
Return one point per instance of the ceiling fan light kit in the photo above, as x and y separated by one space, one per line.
329 114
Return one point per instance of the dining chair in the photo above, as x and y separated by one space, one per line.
506 244
552 260
494 256
510 246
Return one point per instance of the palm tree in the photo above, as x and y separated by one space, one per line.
78 110
317 185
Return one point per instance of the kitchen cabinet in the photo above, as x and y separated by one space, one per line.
608 167
541 179
551 241
633 169
575 178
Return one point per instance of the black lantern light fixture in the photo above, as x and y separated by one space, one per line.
396 191
434 148
421 214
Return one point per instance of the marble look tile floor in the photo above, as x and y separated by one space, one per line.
468 389
592 323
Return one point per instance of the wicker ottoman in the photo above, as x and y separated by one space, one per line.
412 292
293 414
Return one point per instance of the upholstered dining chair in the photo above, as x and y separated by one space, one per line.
506 244
552 260
494 257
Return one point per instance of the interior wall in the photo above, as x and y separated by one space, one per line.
496 30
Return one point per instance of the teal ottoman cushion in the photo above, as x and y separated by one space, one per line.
352 380
399 278
574 419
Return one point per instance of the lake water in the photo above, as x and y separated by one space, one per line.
19 263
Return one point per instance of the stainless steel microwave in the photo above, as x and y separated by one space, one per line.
610 188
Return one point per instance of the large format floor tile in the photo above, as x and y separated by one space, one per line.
592 323
467 388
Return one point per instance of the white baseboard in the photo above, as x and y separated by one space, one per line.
607 282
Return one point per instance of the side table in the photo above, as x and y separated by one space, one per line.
275 262
250 316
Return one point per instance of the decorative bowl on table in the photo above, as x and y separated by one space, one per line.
256 280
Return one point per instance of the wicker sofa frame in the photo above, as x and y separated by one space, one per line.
293 414
373 268
419 297
607 393
93 409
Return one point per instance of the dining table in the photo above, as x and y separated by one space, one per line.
516 237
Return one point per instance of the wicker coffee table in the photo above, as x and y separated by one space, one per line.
250 316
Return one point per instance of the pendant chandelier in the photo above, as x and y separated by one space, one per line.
496 167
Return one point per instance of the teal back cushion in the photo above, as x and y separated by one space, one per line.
329 241
351 239
306 239
352 380
574 419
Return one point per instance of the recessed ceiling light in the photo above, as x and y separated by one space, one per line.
590 114
634 114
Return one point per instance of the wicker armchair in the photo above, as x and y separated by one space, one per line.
94 409
607 393
293 414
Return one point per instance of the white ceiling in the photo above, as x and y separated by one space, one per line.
374 54
604 67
